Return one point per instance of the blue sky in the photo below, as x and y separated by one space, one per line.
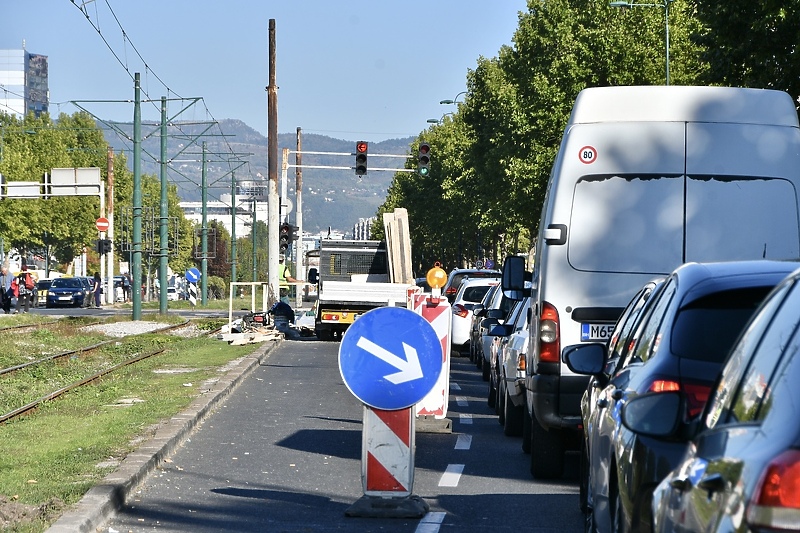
357 69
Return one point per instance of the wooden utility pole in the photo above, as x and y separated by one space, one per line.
298 217
272 170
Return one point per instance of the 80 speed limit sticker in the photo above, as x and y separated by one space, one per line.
587 155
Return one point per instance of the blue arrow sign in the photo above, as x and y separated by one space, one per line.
192 275
390 358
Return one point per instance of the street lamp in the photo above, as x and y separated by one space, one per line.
439 120
663 4
454 100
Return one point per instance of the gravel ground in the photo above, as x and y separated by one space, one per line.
136 327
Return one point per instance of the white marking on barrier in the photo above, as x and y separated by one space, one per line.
388 449
451 476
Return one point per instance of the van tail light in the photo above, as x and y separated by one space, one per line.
460 310
549 341
776 501
696 394
521 364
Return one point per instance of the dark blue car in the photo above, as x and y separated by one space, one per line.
67 292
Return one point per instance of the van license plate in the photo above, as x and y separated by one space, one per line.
596 332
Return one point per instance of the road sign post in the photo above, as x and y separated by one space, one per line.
390 358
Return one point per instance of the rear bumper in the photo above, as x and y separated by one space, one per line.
556 400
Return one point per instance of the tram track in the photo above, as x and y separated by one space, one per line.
30 406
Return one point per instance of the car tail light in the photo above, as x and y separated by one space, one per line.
549 343
460 310
776 501
696 394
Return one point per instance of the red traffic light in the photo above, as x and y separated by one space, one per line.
424 148
361 157
361 147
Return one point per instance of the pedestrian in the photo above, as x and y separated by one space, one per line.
284 278
25 287
5 286
97 288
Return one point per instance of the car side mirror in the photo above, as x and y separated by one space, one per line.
654 414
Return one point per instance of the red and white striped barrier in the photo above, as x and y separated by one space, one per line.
437 312
387 452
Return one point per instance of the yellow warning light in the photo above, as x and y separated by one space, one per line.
436 277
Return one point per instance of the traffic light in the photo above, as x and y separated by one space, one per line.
424 161
106 246
361 157
293 233
285 237
98 246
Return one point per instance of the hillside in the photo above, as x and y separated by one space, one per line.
331 197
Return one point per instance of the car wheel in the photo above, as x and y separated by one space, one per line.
588 523
491 399
485 369
617 518
547 452
583 478
499 406
526 430
513 417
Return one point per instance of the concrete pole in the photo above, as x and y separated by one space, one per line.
233 226
204 234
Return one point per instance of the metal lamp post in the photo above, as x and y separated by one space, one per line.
665 5
454 100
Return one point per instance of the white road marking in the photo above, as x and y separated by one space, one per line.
451 476
465 418
463 442
461 401
430 523
455 386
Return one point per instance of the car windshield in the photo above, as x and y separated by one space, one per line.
475 294
69 283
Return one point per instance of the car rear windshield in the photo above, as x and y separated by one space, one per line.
69 283
706 329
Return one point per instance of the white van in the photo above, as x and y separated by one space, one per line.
648 178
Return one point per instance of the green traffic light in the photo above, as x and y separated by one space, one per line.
423 171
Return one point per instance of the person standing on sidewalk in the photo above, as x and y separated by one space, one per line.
25 290
5 287
97 289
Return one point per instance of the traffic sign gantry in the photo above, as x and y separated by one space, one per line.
390 358
102 224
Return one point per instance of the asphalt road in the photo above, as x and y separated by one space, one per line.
282 452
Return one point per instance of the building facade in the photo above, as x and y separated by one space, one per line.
23 83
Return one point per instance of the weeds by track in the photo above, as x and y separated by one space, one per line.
48 371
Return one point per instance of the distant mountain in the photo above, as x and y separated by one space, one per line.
332 197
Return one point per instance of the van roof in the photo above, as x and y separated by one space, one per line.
677 103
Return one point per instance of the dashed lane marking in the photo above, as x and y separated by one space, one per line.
463 442
461 401
430 523
455 386
451 476
465 418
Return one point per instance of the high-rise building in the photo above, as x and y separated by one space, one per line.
23 83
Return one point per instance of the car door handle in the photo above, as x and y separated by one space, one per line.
617 394
712 483
602 403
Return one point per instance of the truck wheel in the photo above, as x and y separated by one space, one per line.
547 453
324 334
513 417
526 430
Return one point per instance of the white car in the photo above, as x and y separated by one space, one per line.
172 293
469 294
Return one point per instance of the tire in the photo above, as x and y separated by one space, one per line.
513 417
485 369
491 398
547 452
499 406
324 334
526 430
617 518
583 478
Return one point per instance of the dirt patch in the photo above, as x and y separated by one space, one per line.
14 513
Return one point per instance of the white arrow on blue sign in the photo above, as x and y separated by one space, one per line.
192 275
390 358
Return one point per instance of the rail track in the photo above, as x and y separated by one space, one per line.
69 354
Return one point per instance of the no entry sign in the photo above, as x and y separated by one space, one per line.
102 224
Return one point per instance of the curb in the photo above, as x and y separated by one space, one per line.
111 493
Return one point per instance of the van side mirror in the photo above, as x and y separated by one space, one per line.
313 275
513 280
